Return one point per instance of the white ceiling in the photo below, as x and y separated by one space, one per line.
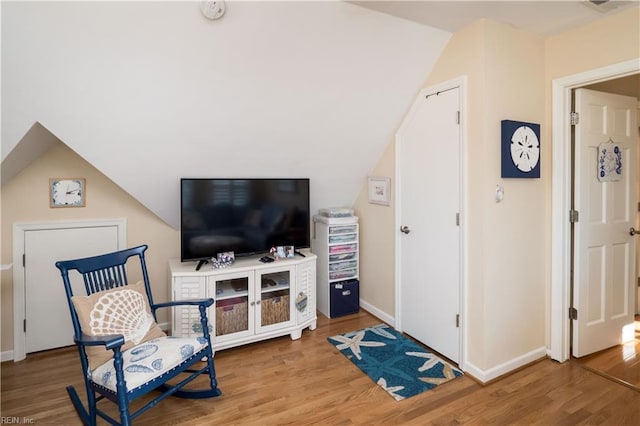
273 89
543 17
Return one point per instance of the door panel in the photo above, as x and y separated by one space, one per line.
429 174
605 252
46 309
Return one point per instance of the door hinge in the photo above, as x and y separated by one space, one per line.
574 216
457 117
24 260
457 320
573 313
575 118
457 219
24 325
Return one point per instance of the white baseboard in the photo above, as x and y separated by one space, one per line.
8 355
378 313
485 376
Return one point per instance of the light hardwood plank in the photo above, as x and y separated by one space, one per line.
620 363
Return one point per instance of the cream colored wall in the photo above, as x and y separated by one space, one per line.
25 199
509 77
506 241
377 243
608 41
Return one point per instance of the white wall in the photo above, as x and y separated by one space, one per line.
149 92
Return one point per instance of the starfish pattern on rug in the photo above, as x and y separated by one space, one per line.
448 372
391 390
394 362
354 343
431 360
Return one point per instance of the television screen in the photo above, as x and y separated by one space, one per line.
246 216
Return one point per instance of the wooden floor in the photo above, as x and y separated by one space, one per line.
620 364
308 382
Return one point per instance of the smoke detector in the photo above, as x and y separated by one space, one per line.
212 9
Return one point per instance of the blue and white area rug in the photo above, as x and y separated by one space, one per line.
397 364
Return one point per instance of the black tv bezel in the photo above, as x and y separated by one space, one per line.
247 253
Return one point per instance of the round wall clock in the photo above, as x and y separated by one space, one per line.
520 149
67 192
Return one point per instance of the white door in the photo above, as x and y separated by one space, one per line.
48 322
605 252
429 197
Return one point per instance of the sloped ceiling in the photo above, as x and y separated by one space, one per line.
149 92
542 17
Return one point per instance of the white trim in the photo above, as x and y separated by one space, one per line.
6 356
485 376
561 197
19 229
385 317
461 83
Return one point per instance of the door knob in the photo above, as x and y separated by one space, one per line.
632 231
405 229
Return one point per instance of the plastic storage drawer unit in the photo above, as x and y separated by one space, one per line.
344 298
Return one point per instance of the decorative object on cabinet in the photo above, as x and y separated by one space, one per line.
335 242
379 190
253 300
223 260
520 149
67 192
283 252
336 212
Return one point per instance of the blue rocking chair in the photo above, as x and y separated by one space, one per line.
123 352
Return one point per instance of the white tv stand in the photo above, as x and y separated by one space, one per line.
253 300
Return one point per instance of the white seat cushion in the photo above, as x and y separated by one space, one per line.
148 360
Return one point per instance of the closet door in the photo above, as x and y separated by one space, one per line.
430 251
47 318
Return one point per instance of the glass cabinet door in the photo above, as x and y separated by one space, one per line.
232 295
275 299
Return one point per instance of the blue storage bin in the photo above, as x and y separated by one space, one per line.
344 298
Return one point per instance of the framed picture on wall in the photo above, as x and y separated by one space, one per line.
379 190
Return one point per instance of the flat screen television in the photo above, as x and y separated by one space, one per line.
245 216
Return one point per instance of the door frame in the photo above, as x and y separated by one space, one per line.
19 302
461 84
562 88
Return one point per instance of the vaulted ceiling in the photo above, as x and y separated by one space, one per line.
148 92
545 17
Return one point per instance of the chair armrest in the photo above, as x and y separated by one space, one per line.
193 302
110 341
